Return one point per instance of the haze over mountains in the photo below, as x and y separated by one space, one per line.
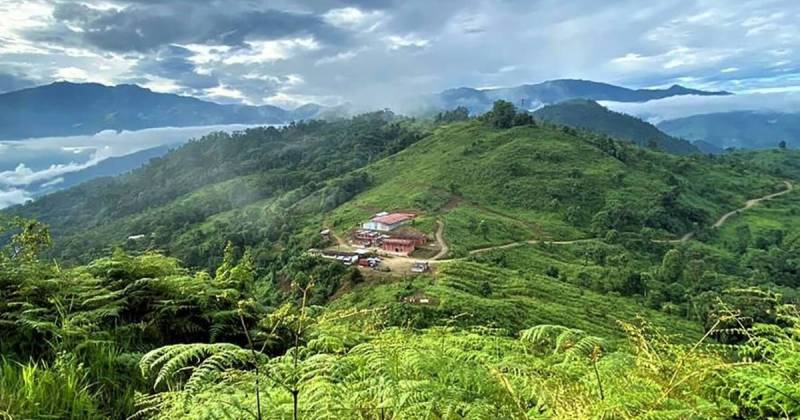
67 109
739 129
553 91
87 108
64 108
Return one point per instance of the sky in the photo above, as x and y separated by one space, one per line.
287 53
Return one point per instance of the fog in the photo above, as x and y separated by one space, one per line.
24 163
684 106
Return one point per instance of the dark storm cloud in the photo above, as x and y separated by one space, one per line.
376 52
144 27
172 62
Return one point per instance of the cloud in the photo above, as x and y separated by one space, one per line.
375 53
32 166
683 106
102 146
258 52
71 73
13 196
142 28
396 42
23 176
176 63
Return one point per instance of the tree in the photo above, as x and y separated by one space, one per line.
460 113
671 266
633 284
483 228
782 144
523 118
228 263
242 275
502 114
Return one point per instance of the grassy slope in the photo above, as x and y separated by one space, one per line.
469 293
476 158
524 182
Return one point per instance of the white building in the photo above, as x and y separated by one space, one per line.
384 222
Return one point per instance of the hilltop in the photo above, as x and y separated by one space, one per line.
549 182
64 108
590 115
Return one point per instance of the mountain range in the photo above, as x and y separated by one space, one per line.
87 108
531 96
64 108
738 129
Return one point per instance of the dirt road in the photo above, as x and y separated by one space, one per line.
752 203
403 264
721 221
443 248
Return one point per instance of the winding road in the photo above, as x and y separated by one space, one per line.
752 203
399 262
721 221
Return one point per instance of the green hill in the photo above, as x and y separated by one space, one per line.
592 116
548 183
251 187
262 187
596 328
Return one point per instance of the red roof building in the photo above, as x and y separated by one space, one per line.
419 238
398 246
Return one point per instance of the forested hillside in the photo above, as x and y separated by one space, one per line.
185 202
590 115
584 277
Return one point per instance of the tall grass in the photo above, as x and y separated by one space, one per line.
59 390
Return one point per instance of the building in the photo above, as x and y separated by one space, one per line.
419 238
365 237
385 222
398 246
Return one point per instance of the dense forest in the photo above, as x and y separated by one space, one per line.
592 116
586 278
253 187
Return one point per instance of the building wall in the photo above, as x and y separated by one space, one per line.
398 248
376 226
381 227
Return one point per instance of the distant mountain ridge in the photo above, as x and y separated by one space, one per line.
64 108
553 91
738 129
590 115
